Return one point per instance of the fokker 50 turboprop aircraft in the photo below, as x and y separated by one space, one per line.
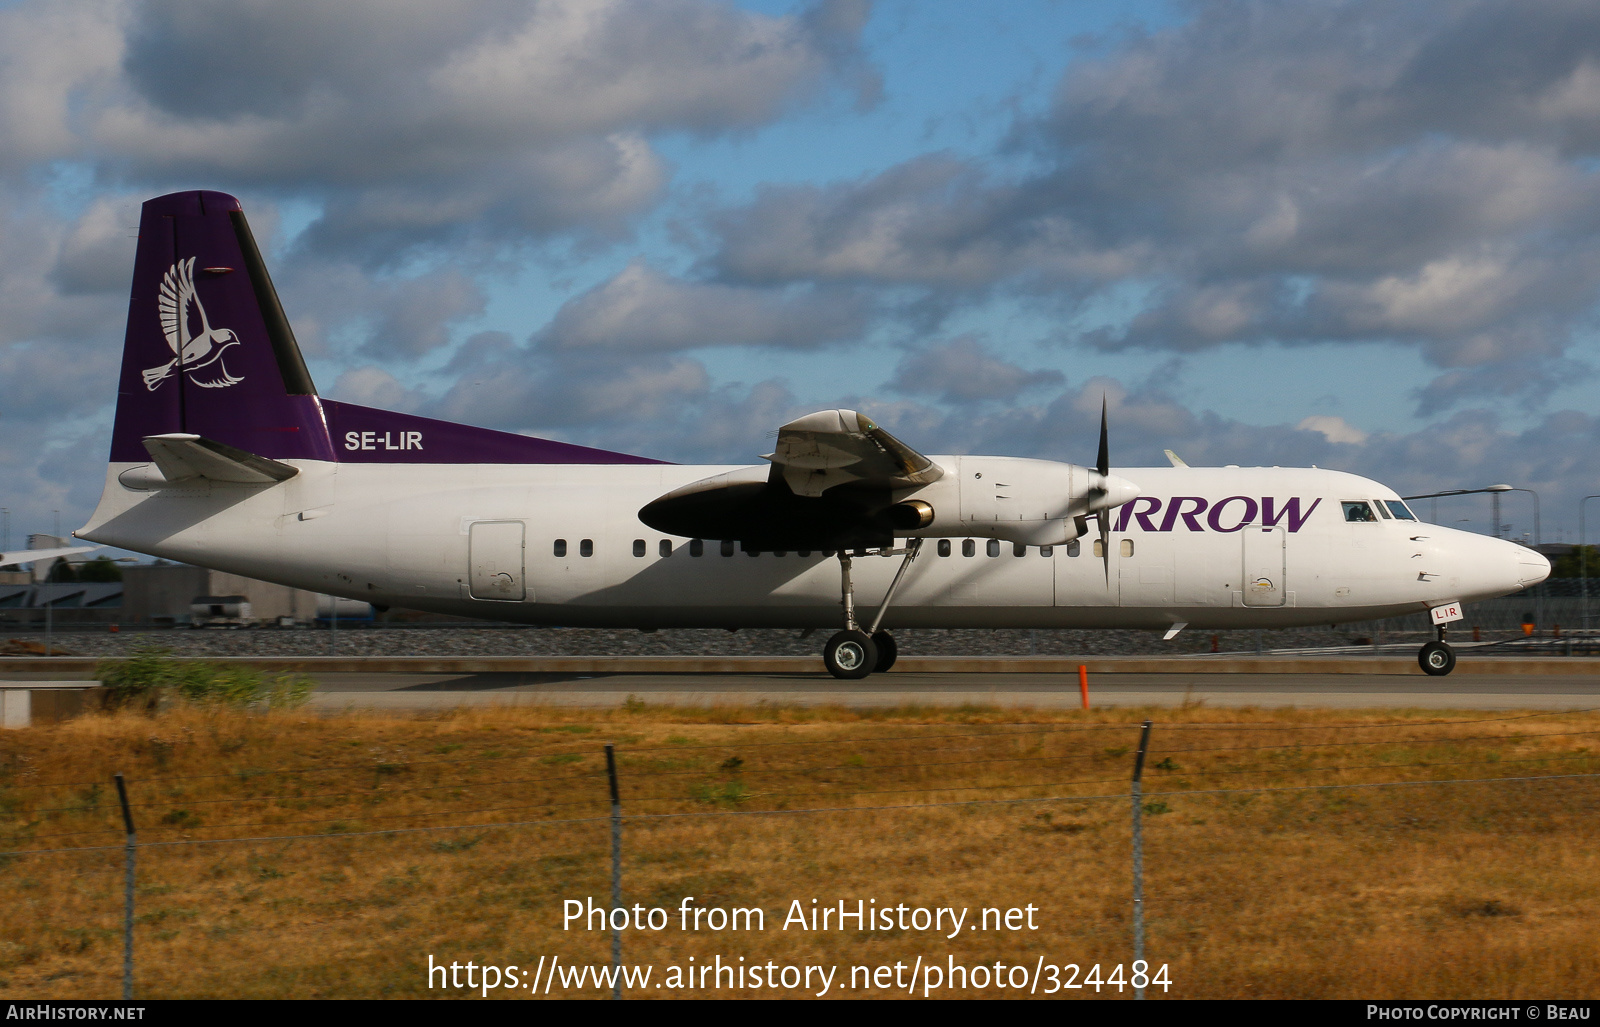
224 455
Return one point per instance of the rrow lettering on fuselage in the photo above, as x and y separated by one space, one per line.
369 440
1231 514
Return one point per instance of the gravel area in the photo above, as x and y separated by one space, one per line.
539 641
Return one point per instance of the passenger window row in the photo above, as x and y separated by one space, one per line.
697 547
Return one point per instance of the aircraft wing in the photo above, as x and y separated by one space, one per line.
837 481
30 555
835 447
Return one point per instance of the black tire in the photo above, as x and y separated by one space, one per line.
850 655
887 652
1437 659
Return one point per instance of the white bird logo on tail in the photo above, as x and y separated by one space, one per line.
199 354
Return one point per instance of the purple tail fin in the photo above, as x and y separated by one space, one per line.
209 352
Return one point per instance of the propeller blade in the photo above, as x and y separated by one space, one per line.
1105 542
1103 464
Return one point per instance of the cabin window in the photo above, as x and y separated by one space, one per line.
727 547
638 547
1400 510
1047 550
969 547
1356 510
666 547
804 554
1018 549
697 547
828 553
586 547
780 552
1127 547
992 547
1073 549
1383 511
1099 549
561 547
944 547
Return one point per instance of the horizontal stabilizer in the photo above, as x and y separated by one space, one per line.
30 555
181 457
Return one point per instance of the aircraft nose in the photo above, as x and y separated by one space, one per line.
1532 567
1484 567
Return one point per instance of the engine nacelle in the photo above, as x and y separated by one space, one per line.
911 515
1031 502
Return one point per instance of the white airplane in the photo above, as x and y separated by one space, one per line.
249 471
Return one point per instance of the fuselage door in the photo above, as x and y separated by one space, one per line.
1263 582
497 563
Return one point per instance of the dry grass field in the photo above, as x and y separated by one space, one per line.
1432 890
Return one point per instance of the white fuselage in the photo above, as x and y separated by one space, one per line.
557 544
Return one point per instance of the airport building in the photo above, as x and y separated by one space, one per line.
160 594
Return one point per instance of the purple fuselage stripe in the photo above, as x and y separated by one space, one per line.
366 435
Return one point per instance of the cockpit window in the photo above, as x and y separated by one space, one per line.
1383 511
1356 510
1400 510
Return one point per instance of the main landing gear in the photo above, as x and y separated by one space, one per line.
852 654
1437 658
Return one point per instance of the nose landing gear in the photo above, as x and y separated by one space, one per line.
852 654
1436 657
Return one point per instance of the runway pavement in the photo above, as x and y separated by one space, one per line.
395 691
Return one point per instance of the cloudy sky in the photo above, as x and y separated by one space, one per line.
1362 235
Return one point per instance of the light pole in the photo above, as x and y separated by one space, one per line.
1583 563
1535 496
1495 489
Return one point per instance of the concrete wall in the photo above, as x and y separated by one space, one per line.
157 592
162 592
267 601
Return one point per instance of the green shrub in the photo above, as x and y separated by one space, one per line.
729 794
151 676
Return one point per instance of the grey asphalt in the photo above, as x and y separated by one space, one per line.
384 691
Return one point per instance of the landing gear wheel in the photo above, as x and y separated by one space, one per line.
887 651
850 655
1437 659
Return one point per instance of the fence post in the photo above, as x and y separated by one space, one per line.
1138 853
127 892
616 871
